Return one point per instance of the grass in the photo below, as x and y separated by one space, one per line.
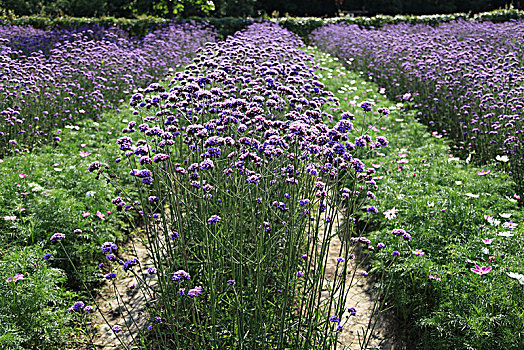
442 202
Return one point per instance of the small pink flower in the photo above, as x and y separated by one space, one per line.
47 194
18 277
487 217
83 145
86 214
516 196
22 175
487 240
431 277
418 252
100 215
84 154
484 172
481 270
510 224
391 214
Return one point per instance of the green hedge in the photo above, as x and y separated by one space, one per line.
229 25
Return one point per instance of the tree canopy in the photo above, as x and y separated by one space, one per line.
242 8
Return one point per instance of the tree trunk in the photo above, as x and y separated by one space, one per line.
170 9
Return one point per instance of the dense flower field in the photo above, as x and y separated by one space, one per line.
50 78
247 186
464 78
239 181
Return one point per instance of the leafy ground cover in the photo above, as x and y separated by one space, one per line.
45 192
459 281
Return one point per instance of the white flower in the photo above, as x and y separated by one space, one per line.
502 158
391 214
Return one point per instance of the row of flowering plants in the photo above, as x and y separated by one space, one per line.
464 78
457 229
54 78
240 183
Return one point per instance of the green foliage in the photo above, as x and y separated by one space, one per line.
441 201
57 190
229 25
32 312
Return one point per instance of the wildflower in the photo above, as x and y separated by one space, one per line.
300 274
381 245
398 232
84 154
110 276
372 209
391 214
181 291
395 253
109 247
94 166
231 282
383 111
481 270
487 240
366 106
157 319
339 328
340 259
483 172
22 175
195 292
213 220
18 277
418 252
57 237
334 319
86 214
116 329
151 270
510 224
304 202
180 275
364 273
100 215
129 264
78 306
431 277
89 309
47 256
352 311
